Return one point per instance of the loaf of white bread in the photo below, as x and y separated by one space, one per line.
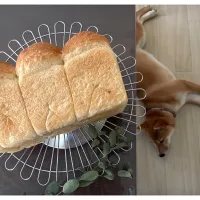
53 91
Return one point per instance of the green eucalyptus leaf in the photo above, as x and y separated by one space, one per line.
99 170
70 186
128 145
126 166
119 146
95 143
85 183
104 159
124 173
89 176
92 131
130 171
122 139
112 138
101 165
120 130
109 177
106 148
52 188
109 172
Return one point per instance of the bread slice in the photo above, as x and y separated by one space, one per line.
94 77
15 126
45 88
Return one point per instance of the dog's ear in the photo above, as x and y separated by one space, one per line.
144 125
159 125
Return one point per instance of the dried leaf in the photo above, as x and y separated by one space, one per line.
85 183
112 138
52 188
95 143
89 176
106 148
70 186
124 173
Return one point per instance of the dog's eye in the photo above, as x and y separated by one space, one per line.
162 141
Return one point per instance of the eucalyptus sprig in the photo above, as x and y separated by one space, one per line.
115 140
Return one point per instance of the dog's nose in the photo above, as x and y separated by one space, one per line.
161 154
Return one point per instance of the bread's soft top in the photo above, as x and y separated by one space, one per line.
83 38
82 42
37 57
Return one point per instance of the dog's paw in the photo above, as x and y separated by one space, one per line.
155 10
152 13
149 7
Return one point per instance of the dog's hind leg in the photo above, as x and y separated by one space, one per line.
187 92
193 98
193 94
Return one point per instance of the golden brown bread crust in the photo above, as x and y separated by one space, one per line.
35 57
7 70
94 77
91 76
15 126
95 83
82 38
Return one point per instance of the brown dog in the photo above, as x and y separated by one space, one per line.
165 94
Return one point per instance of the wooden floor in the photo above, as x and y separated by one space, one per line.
174 39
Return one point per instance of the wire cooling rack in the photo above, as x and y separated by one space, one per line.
63 157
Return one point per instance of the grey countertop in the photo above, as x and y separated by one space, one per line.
118 21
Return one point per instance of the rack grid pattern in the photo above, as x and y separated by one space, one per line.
65 155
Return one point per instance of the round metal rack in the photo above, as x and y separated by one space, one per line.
63 157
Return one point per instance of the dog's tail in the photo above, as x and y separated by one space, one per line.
141 12
143 15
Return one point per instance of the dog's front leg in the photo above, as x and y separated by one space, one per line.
193 98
